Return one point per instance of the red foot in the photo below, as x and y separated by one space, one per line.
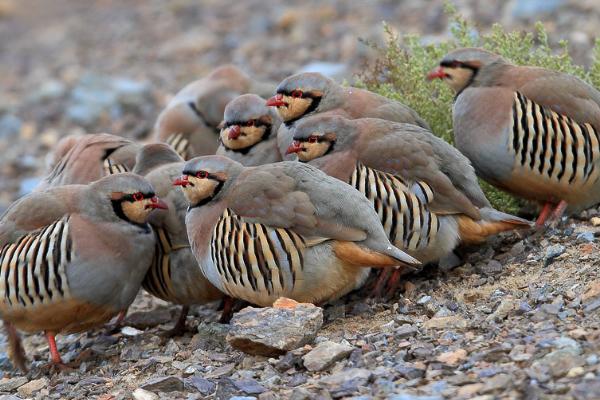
55 356
541 220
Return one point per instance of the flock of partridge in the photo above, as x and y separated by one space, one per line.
307 192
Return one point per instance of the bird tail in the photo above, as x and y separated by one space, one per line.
16 353
492 222
378 257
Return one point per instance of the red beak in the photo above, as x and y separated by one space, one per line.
234 132
276 101
157 203
437 73
181 181
295 147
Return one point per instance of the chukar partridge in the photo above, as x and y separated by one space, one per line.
249 131
528 130
425 191
74 256
311 93
86 158
174 275
190 120
283 229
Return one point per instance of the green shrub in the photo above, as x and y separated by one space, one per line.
400 70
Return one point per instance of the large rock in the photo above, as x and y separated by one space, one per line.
273 331
325 355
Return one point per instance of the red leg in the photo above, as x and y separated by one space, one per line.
559 210
53 350
394 282
120 318
541 220
227 312
384 276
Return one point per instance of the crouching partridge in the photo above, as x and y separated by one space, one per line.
311 93
174 275
190 121
74 256
425 191
86 158
283 229
528 130
249 131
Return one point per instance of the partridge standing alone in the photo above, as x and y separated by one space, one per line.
423 189
283 229
174 275
74 256
86 158
310 93
249 131
528 130
190 121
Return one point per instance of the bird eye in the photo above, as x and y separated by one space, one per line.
202 174
313 139
297 93
250 123
138 196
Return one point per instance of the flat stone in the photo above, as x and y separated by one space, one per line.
453 322
346 382
497 382
410 396
452 357
505 307
325 355
164 384
149 319
587 390
272 331
202 385
405 331
8 385
141 394
249 386
32 387
558 363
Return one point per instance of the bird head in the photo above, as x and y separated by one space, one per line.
319 135
299 95
459 68
132 197
248 121
205 177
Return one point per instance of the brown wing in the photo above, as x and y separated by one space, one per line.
37 210
564 94
413 159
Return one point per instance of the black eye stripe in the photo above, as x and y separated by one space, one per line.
305 95
129 197
242 124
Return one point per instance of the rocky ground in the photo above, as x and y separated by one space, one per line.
519 320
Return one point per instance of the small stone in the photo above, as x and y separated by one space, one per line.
273 331
405 331
452 357
410 396
497 382
32 387
557 363
325 355
592 359
8 385
424 300
575 372
130 331
505 307
586 236
588 389
554 251
346 382
595 221
164 384
409 370
141 394
204 386
453 322
493 267
249 386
